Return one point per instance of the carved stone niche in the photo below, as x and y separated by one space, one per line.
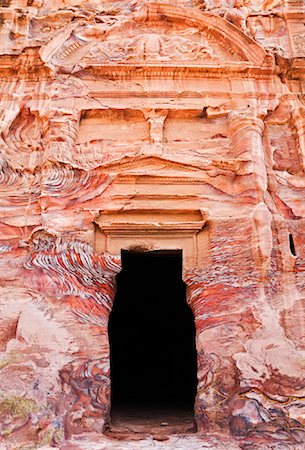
150 229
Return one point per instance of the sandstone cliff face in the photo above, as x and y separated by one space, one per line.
176 125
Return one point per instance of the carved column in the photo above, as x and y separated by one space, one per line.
298 116
246 133
293 13
262 236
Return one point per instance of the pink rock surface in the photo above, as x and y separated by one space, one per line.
156 125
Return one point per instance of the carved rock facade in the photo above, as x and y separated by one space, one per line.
144 123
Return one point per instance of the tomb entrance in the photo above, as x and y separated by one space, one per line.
152 342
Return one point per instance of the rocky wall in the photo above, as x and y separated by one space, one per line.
191 115
55 351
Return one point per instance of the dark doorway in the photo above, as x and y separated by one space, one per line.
152 337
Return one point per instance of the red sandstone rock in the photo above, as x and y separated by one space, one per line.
159 126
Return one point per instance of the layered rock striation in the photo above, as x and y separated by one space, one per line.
164 125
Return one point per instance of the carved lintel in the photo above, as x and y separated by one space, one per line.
151 221
152 228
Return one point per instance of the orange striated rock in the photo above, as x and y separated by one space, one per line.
152 125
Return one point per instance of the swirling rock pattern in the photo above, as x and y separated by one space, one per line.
69 273
77 272
149 125
22 141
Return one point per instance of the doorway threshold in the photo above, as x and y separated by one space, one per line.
159 423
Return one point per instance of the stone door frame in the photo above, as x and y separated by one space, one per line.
148 229
163 229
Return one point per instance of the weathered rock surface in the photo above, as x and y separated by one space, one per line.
164 125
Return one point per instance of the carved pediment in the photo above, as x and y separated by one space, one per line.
157 35
151 47
152 166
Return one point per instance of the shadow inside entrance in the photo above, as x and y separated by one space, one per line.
152 343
